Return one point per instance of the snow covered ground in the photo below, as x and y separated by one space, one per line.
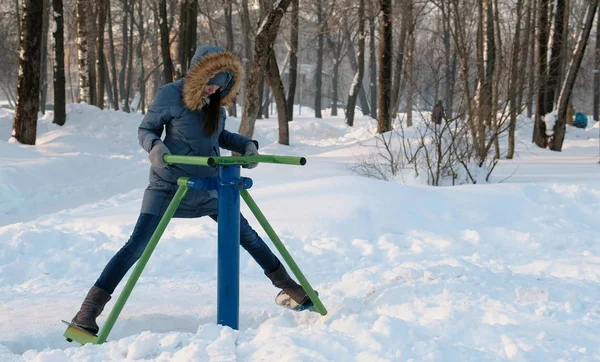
499 271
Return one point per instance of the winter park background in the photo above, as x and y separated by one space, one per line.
494 271
486 267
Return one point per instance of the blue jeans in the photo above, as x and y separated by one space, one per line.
122 261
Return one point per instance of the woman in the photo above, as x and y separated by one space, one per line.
192 112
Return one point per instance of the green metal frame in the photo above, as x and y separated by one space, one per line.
318 305
79 335
233 160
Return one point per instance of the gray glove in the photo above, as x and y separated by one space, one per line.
156 154
251 150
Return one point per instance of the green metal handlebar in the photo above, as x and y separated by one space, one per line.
233 160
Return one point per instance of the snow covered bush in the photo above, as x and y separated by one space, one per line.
443 154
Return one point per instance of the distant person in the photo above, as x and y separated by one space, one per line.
191 113
581 120
570 114
437 114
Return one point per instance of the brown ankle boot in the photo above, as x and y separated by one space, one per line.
91 308
281 279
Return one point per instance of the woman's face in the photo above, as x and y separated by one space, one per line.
209 90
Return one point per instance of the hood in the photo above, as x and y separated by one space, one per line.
208 61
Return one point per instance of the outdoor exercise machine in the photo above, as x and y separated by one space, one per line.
230 186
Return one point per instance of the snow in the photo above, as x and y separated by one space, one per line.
550 120
501 271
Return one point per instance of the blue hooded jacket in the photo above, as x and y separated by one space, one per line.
178 109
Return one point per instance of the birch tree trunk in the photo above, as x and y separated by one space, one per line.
263 46
319 67
141 84
293 66
232 110
566 33
59 63
410 56
92 37
279 94
113 61
356 85
336 48
539 129
384 119
451 64
524 51
187 34
362 95
44 57
400 51
82 52
164 42
554 66
514 83
124 54
28 84
127 96
247 45
558 137
100 70
372 65
532 84
597 71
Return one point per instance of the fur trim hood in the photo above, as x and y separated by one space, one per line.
206 63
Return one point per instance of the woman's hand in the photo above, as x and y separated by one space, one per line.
251 150
159 150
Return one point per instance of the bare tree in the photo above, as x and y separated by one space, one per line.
59 63
514 82
319 67
293 65
400 49
531 81
44 56
384 119
124 54
28 88
597 71
113 62
337 48
247 46
354 66
524 51
558 136
263 46
91 23
356 85
82 52
486 60
100 61
556 57
542 107
164 42
409 17
126 95
141 83
187 33
451 63
372 62
279 94
232 110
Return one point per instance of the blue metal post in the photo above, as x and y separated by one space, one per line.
228 250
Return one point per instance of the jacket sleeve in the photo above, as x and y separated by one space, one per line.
154 121
233 141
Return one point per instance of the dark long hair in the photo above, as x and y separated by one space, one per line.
212 113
